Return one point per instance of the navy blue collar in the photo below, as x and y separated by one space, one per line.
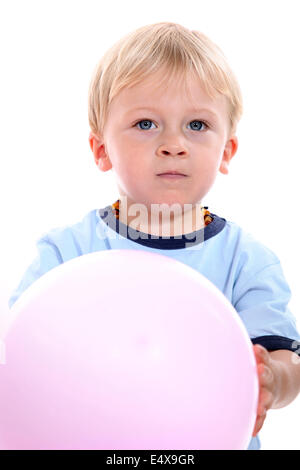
164 243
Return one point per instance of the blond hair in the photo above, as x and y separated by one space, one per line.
152 48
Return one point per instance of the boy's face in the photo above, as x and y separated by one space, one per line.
153 129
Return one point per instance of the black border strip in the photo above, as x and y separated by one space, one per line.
274 342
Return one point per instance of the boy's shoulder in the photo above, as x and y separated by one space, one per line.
73 239
247 255
247 245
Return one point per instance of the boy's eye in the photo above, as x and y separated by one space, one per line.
145 124
195 125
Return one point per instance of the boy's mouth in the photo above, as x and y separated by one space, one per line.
172 177
171 173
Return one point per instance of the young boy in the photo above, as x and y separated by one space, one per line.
163 111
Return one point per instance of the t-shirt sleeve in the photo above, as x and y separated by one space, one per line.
262 303
48 257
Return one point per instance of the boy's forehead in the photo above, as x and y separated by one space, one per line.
160 83
158 89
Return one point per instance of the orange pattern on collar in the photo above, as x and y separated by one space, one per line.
207 216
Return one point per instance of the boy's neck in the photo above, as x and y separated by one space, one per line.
162 220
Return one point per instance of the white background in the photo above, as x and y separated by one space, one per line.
49 50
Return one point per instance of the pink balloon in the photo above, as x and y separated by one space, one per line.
126 349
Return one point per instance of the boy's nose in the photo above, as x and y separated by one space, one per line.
164 150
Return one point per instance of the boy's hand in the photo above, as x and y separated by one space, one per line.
268 386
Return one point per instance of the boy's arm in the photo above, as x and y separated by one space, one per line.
279 380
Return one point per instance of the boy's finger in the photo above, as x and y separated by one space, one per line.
258 355
261 354
265 375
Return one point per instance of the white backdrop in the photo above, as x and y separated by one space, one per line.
49 50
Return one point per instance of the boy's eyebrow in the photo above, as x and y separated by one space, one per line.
190 110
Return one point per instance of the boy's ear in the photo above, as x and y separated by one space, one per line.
229 151
100 156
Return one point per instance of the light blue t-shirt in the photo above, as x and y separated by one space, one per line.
248 273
